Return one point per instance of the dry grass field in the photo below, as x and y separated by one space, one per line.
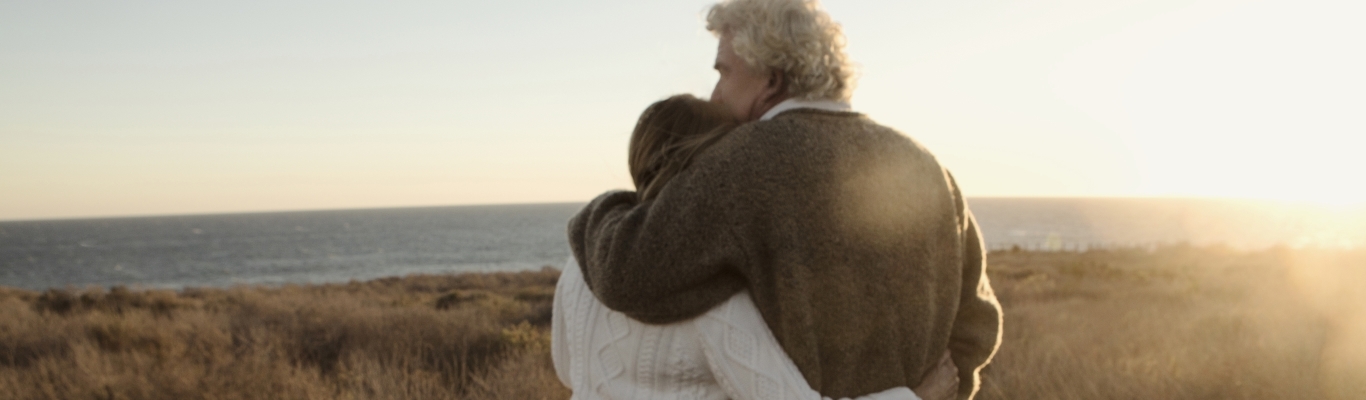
1176 323
474 336
1180 323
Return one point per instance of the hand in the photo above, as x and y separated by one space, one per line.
941 383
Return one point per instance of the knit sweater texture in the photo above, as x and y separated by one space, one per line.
726 353
855 244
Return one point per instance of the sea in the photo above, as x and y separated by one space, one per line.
342 245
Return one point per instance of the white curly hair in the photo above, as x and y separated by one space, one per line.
796 37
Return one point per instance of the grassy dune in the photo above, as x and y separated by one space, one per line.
1178 323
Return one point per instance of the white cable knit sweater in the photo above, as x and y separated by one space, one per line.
727 353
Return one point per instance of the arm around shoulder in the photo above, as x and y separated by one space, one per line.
666 259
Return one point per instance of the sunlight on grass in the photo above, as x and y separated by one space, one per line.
1175 322
470 336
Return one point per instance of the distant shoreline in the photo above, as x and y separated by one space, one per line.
1293 203
221 250
1116 251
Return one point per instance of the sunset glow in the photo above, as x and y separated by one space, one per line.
159 109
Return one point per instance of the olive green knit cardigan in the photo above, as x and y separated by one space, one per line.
856 245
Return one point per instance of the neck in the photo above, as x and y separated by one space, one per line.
821 104
762 108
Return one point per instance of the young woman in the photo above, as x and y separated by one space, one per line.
728 352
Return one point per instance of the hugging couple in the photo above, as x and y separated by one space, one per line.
778 245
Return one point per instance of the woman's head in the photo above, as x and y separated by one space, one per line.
668 135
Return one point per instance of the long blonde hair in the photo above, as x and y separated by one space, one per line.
669 134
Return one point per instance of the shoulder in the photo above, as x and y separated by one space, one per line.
807 133
800 150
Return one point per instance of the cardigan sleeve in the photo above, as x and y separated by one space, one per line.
748 362
677 255
977 327
559 327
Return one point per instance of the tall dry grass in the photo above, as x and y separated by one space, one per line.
471 336
1180 323
1176 323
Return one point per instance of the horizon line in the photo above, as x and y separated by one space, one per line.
421 206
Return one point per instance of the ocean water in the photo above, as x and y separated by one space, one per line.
336 246
286 247
1079 223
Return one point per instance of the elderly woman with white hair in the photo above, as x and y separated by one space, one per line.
779 245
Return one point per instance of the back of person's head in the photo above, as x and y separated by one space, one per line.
796 37
669 134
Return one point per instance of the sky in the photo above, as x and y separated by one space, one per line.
183 107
